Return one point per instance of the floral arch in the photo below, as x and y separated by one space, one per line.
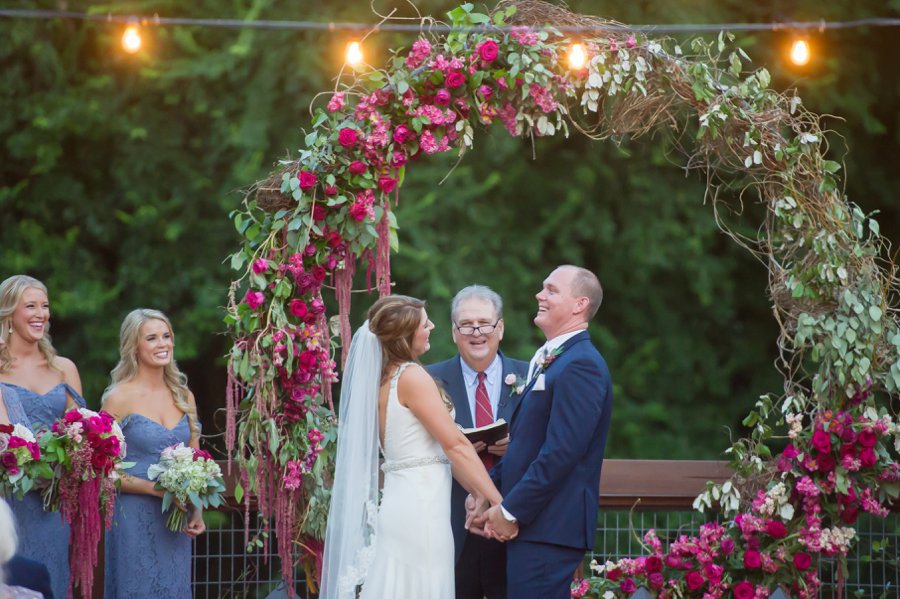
832 286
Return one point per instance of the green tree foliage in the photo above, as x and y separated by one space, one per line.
118 172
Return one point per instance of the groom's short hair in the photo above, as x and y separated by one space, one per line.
586 284
482 292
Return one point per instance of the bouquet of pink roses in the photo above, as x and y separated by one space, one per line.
189 477
20 461
87 449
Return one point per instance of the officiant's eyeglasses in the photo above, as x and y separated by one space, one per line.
485 329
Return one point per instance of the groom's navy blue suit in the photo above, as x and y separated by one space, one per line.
550 475
449 374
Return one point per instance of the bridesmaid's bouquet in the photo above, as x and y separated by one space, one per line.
189 477
20 461
86 449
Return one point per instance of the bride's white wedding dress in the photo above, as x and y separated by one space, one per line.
413 540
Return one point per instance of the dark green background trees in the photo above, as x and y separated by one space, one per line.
118 172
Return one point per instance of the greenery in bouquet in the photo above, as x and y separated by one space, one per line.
21 466
86 450
190 478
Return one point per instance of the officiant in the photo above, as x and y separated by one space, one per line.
482 383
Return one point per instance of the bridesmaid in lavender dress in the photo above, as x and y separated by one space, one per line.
148 395
38 386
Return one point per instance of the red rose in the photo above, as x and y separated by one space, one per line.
455 79
7 429
100 461
802 561
307 180
331 190
694 580
821 441
334 239
347 137
488 50
613 574
628 585
307 360
743 590
357 167
867 457
387 184
653 564
298 308
319 273
825 462
110 446
442 97
776 529
9 461
867 438
319 212
849 514
752 560
94 439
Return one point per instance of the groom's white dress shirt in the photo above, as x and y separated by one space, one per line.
542 351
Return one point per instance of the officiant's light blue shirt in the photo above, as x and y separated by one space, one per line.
492 382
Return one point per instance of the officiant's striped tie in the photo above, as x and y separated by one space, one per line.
484 415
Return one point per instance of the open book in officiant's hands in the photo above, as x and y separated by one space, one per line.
489 434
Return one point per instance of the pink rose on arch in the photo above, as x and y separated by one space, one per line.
628 585
802 561
488 50
254 299
656 580
744 590
319 273
867 438
307 360
825 462
401 134
652 563
317 306
357 167
336 102
727 545
386 184
821 441
398 159
442 97
260 265
752 559
455 79
485 91
694 580
331 190
298 308
307 180
347 137
319 212
867 457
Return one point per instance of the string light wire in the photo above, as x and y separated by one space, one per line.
440 28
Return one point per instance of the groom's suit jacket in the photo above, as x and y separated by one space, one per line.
449 374
550 475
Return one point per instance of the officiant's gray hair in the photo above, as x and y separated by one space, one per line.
482 292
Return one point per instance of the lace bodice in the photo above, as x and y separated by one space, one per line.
406 440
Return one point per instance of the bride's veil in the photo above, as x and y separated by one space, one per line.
350 536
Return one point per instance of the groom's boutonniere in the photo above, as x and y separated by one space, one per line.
548 358
516 384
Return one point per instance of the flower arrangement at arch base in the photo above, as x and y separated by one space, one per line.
836 465
86 450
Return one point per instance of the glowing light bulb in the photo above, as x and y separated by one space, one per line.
800 53
577 56
131 39
354 54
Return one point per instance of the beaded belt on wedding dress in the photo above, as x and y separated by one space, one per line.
392 466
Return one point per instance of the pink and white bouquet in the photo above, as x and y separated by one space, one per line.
87 449
189 477
20 461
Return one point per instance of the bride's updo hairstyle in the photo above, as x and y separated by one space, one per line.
394 319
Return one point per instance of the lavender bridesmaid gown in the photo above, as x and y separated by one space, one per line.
43 536
143 557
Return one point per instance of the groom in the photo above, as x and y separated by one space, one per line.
550 475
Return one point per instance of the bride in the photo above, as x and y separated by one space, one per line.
402 547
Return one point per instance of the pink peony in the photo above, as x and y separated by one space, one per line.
488 50
260 265
442 97
455 79
254 299
347 137
307 180
357 167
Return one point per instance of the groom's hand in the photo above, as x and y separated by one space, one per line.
475 515
496 526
